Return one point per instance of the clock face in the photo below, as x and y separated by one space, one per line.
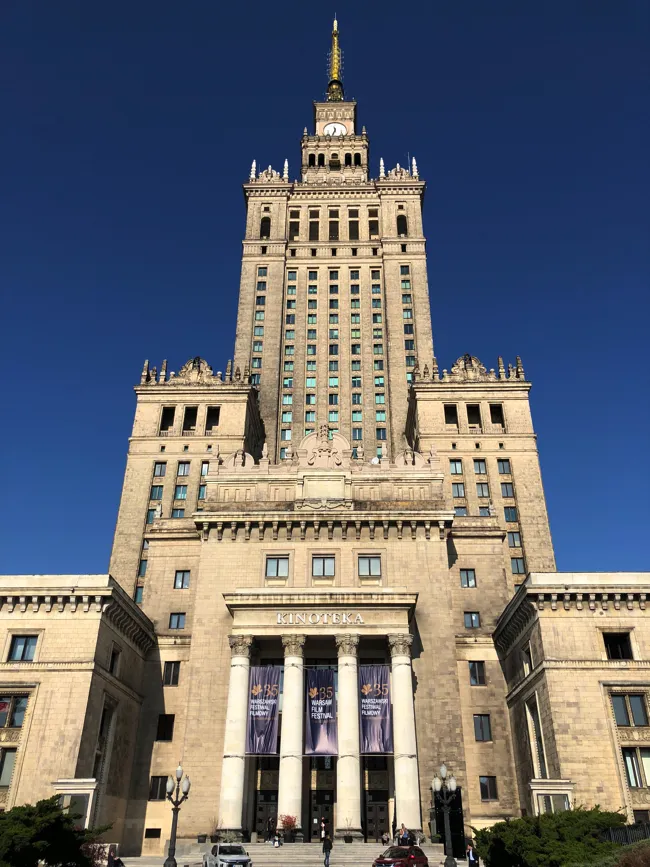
335 129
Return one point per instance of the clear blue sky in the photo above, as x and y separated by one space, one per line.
127 129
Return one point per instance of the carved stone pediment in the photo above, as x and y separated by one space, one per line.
317 451
468 368
195 370
410 458
240 458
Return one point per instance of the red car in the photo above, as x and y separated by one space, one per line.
402 856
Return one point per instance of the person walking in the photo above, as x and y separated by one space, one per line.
327 848
472 858
323 828
270 829
403 836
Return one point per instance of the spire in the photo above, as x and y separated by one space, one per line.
414 168
382 170
253 171
285 171
335 86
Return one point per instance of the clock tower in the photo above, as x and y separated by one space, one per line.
334 303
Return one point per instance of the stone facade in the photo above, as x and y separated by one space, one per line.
331 499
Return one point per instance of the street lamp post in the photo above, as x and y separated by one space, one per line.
174 789
445 789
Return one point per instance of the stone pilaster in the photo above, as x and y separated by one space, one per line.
234 751
348 767
291 747
407 786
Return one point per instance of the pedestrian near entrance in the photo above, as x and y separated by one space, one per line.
472 857
270 828
404 837
327 848
323 828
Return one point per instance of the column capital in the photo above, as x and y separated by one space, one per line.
293 644
400 645
347 644
240 645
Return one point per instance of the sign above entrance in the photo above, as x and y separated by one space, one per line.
317 618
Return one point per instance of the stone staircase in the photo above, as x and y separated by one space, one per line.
295 854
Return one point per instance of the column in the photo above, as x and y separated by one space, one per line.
407 784
234 747
348 766
291 748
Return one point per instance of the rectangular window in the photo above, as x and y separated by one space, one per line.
287 382
621 714
477 673
480 468
258 346
178 513
380 415
257 363
488 787
258 331
12 710
482 489
260 300
287 416
22 648
484 511
294 230
151 516
285 434
357 415
158 789
353 230
277 567
618 645
333 382
333 400
356 398
357 433
7 762
507 489
322 567
202 491
409 345
456 467
482 729
458 489
460 511
167 418
514 540
496 415
180 492
310 399
159 469
333 416
472 619
518 567
262 272
287 399
290 334
181 579
183 468
468 578
177 620
632 770
638 709
474 416
171 673
165 730
312 304
156 492
310 382
259 315
369 567
380 433
310 416
451 414
288 366
510 513
142 568
504 466
333 349
313 230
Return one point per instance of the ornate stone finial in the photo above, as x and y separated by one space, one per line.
237 374
265 451
434 369
304 132
425 372
346 645
144 376
360 452
335 85
293 645
433 454
253 173
400 645
229 370
285 171
163 371
240 645
363 130
158 511
502 369
414 168
382 168
416 370
398 167
289 452
520 368
511 372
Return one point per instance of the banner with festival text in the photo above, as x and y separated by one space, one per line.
375 709
263 707
320 725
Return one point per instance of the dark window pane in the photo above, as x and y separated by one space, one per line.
637 706
618 645
620 710
477 673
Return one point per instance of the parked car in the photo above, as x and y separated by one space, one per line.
227 854
402 856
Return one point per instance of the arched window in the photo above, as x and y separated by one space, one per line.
321 159
402 226
312 159
265 227
357 159
335 162
348 159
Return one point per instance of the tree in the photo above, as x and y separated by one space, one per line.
43 832
550 840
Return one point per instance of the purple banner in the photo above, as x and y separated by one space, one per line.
375 710
320 725
263 699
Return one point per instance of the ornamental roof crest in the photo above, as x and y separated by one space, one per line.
196 369
468 368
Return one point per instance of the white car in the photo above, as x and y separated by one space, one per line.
227 854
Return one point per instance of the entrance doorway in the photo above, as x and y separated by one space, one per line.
376 815
322 805
267 808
